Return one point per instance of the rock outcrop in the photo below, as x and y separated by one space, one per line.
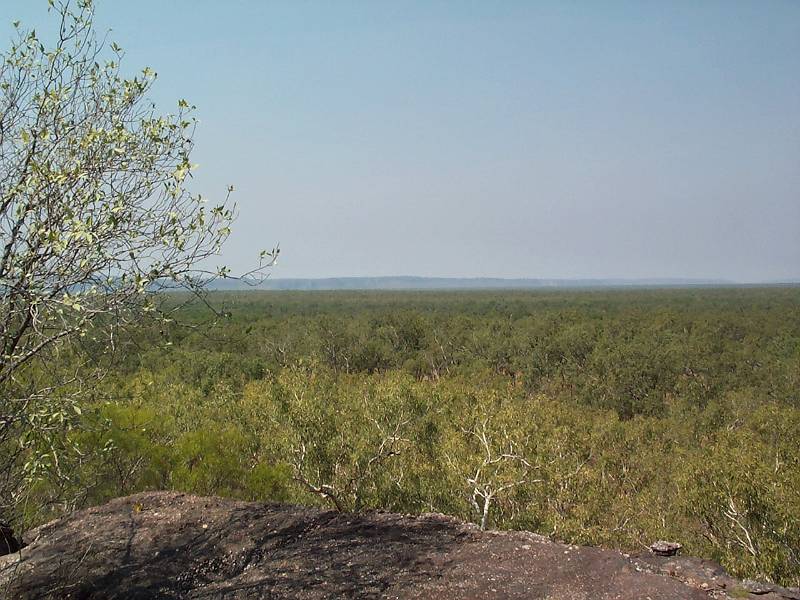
171 545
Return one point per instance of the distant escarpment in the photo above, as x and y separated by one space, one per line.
172 545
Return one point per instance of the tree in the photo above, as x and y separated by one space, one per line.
95 220
486 452
340 436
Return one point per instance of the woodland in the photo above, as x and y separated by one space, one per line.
612 417
601 417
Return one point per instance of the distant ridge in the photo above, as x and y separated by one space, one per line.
458 283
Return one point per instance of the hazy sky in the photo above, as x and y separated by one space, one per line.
511 139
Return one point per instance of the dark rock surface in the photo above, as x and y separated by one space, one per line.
8 541
170 545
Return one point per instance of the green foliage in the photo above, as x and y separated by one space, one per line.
613 418
95 218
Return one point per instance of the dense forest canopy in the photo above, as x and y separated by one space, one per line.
599 417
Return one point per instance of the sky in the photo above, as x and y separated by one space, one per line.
502 139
